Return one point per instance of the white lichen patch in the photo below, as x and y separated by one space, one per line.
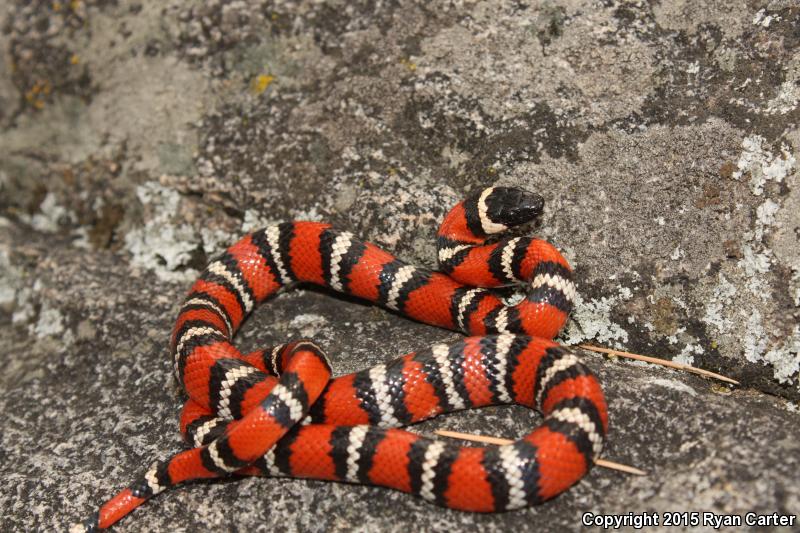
673 339
764 20
347 193
796 281
306 213
160 245
50 323
765 217
785 358
673 384
720 301
744 320
755 265
7 295
9 280
24 310
687 354
253 220
308 324
762 164
592 320
215 241
50 217
755 338
81 238
785 101
754 262
739 324
17 291
454 156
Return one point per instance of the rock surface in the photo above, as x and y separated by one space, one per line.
137 139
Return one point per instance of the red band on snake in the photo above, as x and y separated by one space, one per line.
276 412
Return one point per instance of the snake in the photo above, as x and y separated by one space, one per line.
277 412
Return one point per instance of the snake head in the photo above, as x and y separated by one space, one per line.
511 206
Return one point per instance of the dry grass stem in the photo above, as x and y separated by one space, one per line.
657 361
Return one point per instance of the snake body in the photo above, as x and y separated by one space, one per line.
277 412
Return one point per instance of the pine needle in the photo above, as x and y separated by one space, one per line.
657 361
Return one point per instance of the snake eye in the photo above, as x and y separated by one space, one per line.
511 206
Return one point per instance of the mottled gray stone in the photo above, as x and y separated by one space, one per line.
137 139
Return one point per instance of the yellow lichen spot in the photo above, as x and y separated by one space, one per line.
74 59
719 388
274 16
56 6
410 65
714 345
32 95
491 171
75 4
260 83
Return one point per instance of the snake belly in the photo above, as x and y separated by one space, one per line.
277 412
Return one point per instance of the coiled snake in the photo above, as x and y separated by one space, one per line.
276 411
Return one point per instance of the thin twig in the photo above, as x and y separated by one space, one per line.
476 438
605 463
657 361
499 441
